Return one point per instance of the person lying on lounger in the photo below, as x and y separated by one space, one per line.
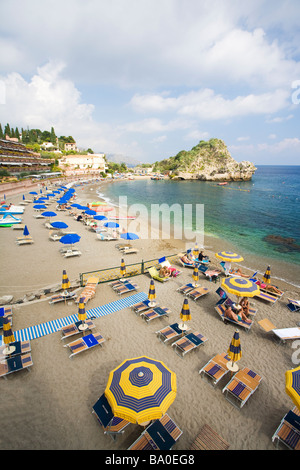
272 289
238 272
168 271
186 260
236 316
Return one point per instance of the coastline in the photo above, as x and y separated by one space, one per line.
49 407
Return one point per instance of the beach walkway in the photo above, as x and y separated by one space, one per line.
53 326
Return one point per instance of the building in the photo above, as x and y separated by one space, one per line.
83 164
70 146
16 158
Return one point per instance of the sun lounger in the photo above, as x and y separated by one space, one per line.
122 246
70 253
141 306
241 387
74 329
126 287
85 343
225 300
5 311
55 236
14 364
215 369
155 275
89 290
293 305
288 432
18 227
220 309
267 297
129 251
162 434
156 312
21 347
112 425
186 288
282 334
62 297
25 241
185 265
188 343
105 237
197 292
208 439
170 332
164 262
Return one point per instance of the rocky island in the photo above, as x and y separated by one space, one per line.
207 161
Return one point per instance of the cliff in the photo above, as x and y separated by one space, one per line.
207 161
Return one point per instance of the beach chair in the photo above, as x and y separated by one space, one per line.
5 311
170 332
188 343
73 328
155 275
25 241
14 364
220 309
293 305
62 297
142 306
89 290
70 253
129 251
288 431
197 292
18 227
212 275
156 312
182 263
225 300
21 347
164 262
272 299
186 288
112 425
241 387
54 236
282 334
85 343
105 237
122 246
126 287
215 369
208 439
162 434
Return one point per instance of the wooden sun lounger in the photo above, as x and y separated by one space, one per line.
111 424
293 305
162 434
242 385
61 297
18 227
186 288
267 297
73 328
197 292
156 312
288 431
142 306
89 290
25 241
170 332
70 253
208 439
124 288
282 334
5 311
21 347
215 369
188 343
85 343
220 309
14 364
155 275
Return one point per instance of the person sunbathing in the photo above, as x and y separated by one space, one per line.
272 289
164 272
186 260
229 313
238 272
244 303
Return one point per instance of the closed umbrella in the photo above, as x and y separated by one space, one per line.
141 389
185 314
196 251
267 277
229 257
65 283
234 352
292 385
82 314
8 336
25 231
123 268
152 294
196 275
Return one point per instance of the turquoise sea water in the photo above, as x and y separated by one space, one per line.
243 213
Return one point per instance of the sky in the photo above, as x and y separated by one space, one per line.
149 78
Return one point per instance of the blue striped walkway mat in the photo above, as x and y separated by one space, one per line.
52 326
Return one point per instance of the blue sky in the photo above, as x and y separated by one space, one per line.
147 79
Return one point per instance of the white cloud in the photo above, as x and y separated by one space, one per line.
241 139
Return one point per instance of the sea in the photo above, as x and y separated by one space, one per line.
259 219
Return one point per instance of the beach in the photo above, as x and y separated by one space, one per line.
50 407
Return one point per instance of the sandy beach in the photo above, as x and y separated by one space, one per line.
51 407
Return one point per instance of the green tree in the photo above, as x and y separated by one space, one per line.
52 136
17 133
7 130
1 132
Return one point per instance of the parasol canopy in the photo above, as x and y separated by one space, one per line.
292 385
240 286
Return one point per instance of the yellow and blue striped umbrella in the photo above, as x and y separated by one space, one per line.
152 294
8 336
81 310
185 313
141 389
267 277
229 256
240 286
65 281
196 273
123 268
292 385
235 351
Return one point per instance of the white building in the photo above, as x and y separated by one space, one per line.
83 164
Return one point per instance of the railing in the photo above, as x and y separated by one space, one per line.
112 274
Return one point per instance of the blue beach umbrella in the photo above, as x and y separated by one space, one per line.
49 214
129 236
39 206
33 192
100 217
26 231
70 239
111 225
59 224
90 212
23 197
